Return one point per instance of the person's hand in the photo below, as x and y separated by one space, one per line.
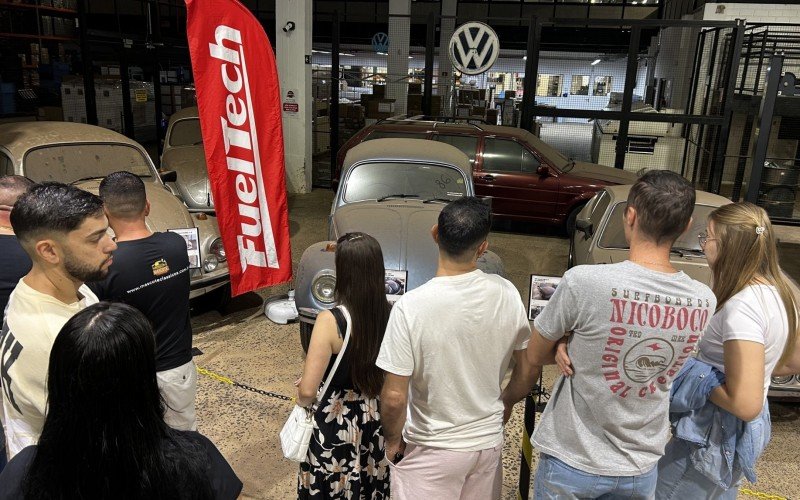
507 409
562 358
393 448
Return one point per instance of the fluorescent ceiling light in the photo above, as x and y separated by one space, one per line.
320 51
596 61
524 58
343 54
411 57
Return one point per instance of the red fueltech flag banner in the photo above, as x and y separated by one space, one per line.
238 96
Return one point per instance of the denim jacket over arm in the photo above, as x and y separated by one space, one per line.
720 443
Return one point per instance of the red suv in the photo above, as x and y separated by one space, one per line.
526 179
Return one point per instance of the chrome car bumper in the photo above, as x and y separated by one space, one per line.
205 283
788 390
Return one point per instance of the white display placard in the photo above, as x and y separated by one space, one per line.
396 282
542 288
192 237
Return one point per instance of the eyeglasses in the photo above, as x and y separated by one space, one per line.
350 237
703 238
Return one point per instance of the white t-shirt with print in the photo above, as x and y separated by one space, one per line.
756 314
32 322
454 336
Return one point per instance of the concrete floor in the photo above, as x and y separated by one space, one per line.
255 352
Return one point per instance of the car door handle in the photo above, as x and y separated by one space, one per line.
488 178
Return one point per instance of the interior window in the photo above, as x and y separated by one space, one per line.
580 85
6 165
464 143
502 155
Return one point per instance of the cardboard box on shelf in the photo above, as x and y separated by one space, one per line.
380 108
50 114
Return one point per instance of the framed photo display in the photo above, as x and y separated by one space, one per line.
542 288
192 237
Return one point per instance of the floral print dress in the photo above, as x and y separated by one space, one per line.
346 457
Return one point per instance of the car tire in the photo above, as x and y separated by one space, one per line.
305 335
573 216
218 298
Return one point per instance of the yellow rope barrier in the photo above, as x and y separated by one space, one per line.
758 494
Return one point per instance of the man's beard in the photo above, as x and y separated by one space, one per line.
83 272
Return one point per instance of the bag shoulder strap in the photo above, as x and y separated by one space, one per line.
341 322
346 314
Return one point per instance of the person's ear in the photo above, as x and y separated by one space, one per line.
629 216
483 247
435 233
47 250
146 208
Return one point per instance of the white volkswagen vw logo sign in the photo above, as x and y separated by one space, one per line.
474 47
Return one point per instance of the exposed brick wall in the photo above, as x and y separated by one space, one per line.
752 12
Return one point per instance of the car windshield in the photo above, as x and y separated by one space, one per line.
372 181
614 235
185 133
70 162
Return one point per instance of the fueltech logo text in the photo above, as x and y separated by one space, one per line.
255 239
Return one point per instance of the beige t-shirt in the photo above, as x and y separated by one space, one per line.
32 321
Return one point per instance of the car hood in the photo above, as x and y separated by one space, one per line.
190 164
403 228
166 211
602 173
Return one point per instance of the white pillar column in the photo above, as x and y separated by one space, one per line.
294 71
399 35
445 78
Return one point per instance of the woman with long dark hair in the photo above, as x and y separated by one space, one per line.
346 457
104 435
752 336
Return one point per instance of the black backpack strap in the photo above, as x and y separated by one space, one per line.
341 322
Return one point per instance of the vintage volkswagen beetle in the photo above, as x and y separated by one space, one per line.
184 154
392 189
83 155
599 238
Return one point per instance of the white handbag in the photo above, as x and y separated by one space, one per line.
296 432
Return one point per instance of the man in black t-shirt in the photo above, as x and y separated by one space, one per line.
151 273
14 262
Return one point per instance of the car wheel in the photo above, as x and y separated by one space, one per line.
573 216
218 298
305 334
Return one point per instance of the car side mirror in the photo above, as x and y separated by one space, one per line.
584 226
543 170
168 175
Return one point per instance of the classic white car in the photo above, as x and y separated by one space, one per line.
82 155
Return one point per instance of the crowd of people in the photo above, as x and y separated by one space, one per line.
662 392
663 383
96 402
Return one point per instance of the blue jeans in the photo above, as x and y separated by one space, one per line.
678 479
557 480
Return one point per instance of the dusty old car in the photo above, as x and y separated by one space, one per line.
527 179
184 154
599 238
82 155
392 189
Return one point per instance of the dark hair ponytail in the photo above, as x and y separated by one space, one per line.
360 286
104 435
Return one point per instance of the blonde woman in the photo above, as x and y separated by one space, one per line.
752 336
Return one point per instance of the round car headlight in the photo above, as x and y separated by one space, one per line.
323 287
210 263
218 250
784 379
